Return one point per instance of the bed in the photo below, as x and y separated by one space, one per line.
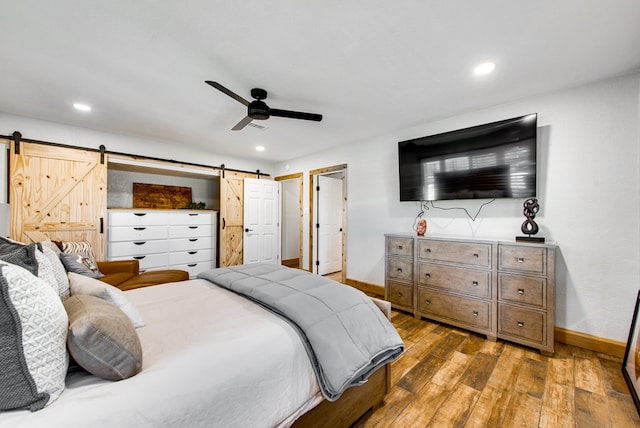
215 357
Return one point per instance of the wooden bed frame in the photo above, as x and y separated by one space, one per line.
351 406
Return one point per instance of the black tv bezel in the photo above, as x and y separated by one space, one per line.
443 140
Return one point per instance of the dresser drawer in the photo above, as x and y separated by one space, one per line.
190 218
400 246
149 261
523 323
195 268
138 218
472 282
136 248
189 244
194 231
137 233
522 259
400 294
473 312
455 252
528 290
401 269
193 256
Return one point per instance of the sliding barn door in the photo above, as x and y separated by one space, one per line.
59 191
231 217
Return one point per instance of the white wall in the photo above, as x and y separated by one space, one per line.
588 188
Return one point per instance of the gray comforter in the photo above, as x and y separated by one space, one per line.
346 336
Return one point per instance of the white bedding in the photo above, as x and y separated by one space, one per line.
211 359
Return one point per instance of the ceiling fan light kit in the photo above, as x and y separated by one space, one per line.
258 109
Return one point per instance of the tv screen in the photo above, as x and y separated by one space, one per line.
493 160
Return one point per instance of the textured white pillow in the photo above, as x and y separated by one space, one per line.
34 330
59 272
81 284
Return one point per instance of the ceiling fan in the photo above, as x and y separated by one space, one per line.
259 110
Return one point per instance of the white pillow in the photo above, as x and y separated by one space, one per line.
34 330
59 272
51 271
81 284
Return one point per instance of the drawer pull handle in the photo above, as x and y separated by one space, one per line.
428 302
140 214
139 228
476 255
399 270
399 293
193 265
428 251
520 259
193 227
140 243
520 290
192 252
475 313
193 240
399 247
474 283
193 214
427 275
139 257
520 324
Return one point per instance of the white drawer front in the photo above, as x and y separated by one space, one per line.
189 244
190 231
138 218
137 233
195 268
148 261
187 257
137 248
190 218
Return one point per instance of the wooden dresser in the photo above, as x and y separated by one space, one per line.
500 289
163 239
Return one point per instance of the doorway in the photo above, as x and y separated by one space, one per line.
291 209
327 225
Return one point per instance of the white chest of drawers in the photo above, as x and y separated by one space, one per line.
163 239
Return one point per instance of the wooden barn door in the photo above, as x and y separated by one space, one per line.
59 191
232 217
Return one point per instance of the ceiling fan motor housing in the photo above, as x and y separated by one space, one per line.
258 110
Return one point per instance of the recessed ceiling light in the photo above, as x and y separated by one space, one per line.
259 148
81 107
484 68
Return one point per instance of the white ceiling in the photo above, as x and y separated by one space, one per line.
370 67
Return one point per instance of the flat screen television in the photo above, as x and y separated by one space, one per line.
493 160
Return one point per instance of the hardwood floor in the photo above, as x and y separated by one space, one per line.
452 378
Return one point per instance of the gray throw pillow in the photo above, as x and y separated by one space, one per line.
80 263
33 329
19 254
102 339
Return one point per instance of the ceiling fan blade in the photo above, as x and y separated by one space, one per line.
295 114
227 92
244 122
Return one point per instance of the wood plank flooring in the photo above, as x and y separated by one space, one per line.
449 377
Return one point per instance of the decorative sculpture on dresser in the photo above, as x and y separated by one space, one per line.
529 226
421 228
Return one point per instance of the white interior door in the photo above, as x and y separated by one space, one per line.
261 241
329 220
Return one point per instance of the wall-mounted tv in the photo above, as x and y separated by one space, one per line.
493 160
